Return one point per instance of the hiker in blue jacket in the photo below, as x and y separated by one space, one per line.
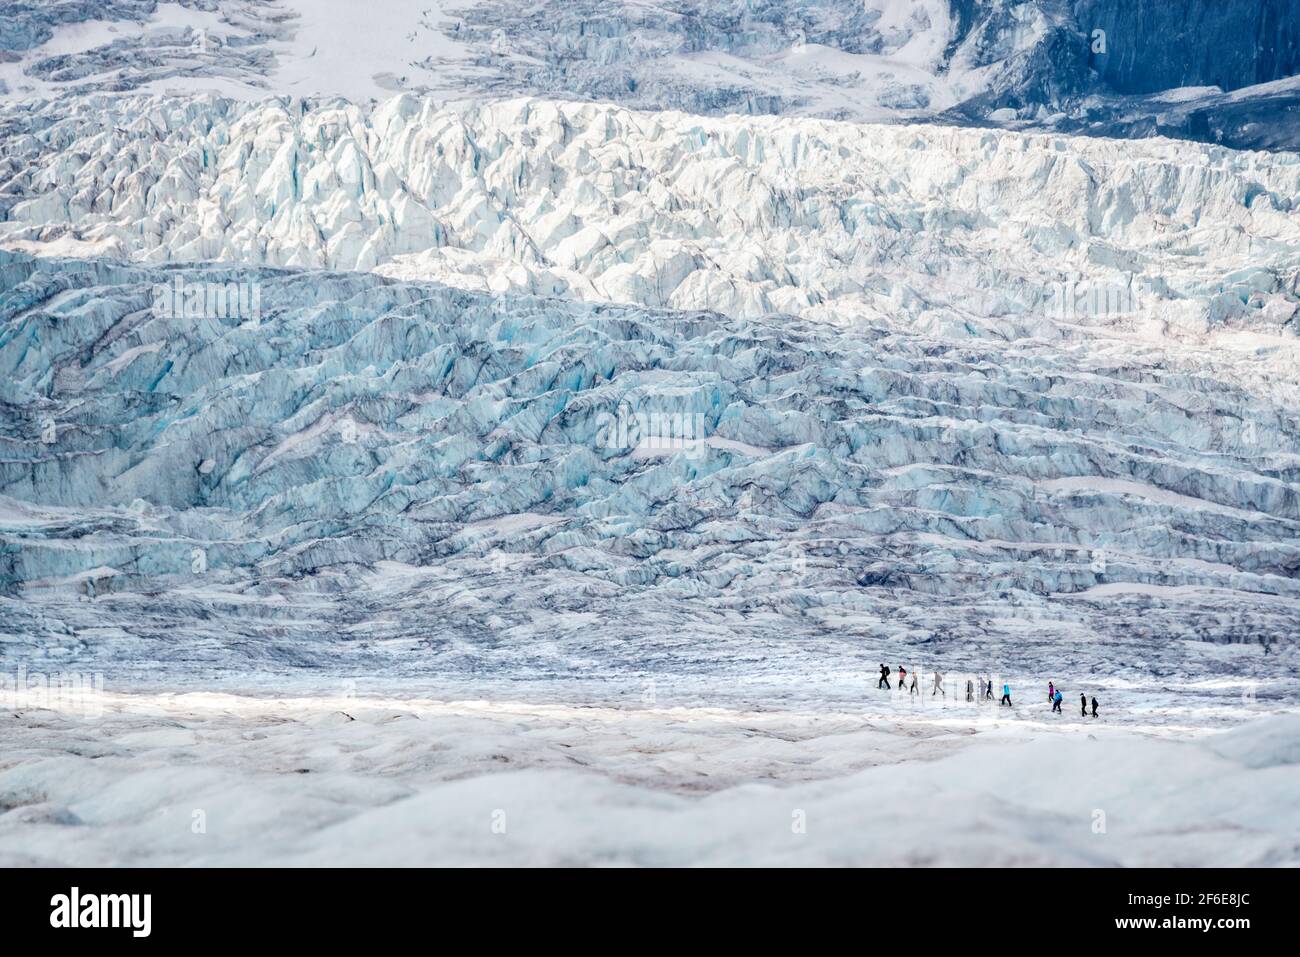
1056 701
1006 695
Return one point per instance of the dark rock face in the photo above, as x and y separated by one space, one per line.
1103 65
1149 45
1156 45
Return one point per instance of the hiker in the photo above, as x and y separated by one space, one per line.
988 694
884 678
1056 702
1051 692
970 690
902 677
1094 706
1083 705
938 686
913 689
1006 695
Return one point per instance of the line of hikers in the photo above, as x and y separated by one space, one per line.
984 691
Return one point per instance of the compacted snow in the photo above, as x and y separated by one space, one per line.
227 780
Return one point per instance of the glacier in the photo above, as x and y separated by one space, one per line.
953 229
1222 71
427 411
372 444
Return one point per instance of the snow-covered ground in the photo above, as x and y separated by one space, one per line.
224 779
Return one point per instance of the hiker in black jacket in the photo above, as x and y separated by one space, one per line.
884 678
1083 705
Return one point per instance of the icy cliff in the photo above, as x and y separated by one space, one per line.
952 229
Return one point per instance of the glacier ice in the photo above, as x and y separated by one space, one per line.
428 472
615 443
958 230
1212 70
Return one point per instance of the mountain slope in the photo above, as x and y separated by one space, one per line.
1103 67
